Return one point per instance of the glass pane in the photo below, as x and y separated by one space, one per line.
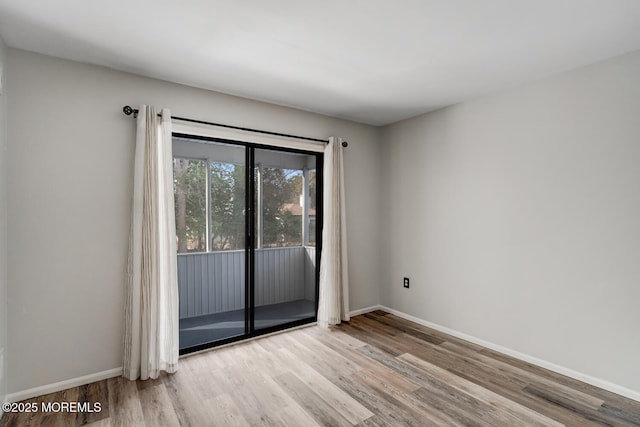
211 283
281 209
227 206
189 189
312 207
285 269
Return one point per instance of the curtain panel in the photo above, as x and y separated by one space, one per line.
151 311
333 304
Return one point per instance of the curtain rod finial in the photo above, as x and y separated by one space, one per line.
345 144
128 111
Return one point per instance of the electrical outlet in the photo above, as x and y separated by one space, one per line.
406 282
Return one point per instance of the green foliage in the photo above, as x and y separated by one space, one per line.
281 187
190 204
227 206
281 197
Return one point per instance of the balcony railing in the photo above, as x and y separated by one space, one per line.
213 282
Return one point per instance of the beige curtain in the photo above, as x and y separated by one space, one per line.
333 305
151 315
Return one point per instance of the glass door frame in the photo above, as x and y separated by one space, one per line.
250 236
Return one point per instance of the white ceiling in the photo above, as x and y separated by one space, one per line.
372 61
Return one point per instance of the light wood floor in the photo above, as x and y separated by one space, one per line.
376 370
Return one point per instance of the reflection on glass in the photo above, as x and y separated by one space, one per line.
227 206
285 261
189 185
209 191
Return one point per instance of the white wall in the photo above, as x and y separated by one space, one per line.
3 221
71 157
517 217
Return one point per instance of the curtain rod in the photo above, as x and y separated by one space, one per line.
129 111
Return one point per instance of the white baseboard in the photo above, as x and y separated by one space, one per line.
614 388
63 385
364 310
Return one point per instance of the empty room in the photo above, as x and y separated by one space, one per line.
337 213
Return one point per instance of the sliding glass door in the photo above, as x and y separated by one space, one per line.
285 250
246 226
210 210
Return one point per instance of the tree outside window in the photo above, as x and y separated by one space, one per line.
282 206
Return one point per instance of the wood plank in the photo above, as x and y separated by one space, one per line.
497 380
515 414
390 411
157 406
246 400
339 345
619 401
560 414
294 416
621 414
416 407
273 399
336 334
185 395
444 396
380 312
373 339
583 411
374 421
376 370
559 390
327 366
323 413
324 352
393 319
125 408
265 360
106 422
403 327
223 411
96 392
342 402
388 379
52 418
464 409
197 373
